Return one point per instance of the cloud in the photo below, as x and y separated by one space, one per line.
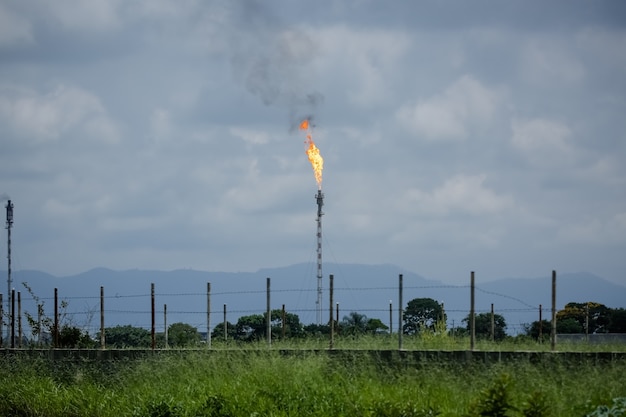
595 231
366 61
546 62
465 104
459 194
542 141
14 29
51 116
250 136
95 16
161 124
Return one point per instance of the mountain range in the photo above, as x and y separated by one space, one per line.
368 289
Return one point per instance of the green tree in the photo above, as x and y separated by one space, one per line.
376 326
316 330
483 326
596 314
293 326
254 327
42 325
354 324
73 337
127 336
617 320
421 314
569 326
533 329
218 331
250 327
458 331
182 335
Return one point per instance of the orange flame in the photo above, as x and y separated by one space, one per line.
317 162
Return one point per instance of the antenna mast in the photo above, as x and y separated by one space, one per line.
318 304
9 208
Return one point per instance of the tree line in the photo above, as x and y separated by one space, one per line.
420 315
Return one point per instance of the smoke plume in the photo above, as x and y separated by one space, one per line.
4 197
270 58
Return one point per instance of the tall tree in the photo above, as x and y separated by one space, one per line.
218 331
483 326
422 314
182 335
250 327
293 326
354 324
544 327
594 315
376 325
317 330
569 326
254 327
617 323
127 336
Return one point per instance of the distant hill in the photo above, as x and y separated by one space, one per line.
368 289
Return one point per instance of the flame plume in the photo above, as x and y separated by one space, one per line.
317 162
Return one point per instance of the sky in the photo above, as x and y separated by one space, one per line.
457 136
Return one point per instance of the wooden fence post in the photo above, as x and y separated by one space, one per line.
12 318
269 314
19 319
332 322
540 324
472 314
102 334
493 325
553 331
208 314
1 319
56 319
283 323
165 323
225 325
400 313
390 317
153 318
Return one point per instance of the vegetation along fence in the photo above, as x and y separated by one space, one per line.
210 317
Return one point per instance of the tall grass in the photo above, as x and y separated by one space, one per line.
426 341
267 383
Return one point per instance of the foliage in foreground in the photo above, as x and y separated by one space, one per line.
263 383
618 408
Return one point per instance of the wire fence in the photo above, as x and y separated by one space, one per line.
205 309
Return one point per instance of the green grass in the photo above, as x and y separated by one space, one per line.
266 383
427 341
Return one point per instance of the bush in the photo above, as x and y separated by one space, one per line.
616 410
494 401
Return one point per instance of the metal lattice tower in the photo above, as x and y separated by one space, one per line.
318 304
9 208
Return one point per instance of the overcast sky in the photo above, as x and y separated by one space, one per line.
456 136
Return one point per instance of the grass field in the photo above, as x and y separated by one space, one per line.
426 341
264 382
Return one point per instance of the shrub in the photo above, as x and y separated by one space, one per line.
616 410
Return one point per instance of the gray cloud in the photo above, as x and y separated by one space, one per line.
162 135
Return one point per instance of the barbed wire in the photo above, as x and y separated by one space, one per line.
288 290
192 315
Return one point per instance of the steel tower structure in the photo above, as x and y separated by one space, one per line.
318 304
9 208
